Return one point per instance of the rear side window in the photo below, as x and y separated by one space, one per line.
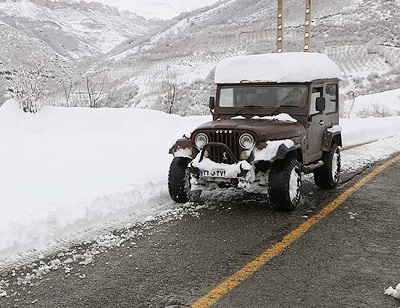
331 99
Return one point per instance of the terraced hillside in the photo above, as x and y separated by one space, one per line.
175 60
363 37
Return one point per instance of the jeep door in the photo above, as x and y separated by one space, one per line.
319 122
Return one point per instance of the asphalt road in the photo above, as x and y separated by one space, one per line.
346 260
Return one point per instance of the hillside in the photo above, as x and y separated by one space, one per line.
70 34
138 63
361 36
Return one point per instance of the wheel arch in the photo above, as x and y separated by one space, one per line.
331 138
183 147
288 153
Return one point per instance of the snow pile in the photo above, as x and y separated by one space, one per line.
66 170
384 102
276 67
393 292
360 131
271 150
283 117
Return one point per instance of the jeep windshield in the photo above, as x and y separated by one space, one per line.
263 96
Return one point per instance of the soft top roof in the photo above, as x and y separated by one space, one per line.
276 67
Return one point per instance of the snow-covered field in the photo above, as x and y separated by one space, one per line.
70 174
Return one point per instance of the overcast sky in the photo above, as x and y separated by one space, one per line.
143 6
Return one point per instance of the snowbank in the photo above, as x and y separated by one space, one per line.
388 101
66 170
360 131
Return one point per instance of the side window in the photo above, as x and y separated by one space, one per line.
226 97
315 92
331 99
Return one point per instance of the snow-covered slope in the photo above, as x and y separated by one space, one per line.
191 45
72 29
160 9
64 34
185 50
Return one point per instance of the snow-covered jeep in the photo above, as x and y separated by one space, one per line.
275 116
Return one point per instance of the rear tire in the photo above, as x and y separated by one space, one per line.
285 185
179 186
327 176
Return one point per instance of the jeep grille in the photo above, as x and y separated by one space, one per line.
229 138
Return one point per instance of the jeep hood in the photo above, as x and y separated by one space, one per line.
265 129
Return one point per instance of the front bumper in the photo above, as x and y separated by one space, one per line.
208 175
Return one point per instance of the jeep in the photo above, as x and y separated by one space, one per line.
275 117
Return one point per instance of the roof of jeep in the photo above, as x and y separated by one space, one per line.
276 67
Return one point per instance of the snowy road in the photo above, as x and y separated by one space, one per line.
345 260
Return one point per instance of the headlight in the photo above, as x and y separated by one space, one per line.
200 140
246 141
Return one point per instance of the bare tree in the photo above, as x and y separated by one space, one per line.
120 97
94 92
376 110
170 92
27 86
67 87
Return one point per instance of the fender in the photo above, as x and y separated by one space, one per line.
283 150
273 150
329 138
183 147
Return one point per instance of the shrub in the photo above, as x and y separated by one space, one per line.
377 111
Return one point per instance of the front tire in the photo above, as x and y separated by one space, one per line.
285 185
179 185
327 176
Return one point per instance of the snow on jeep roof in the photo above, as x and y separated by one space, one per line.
276 67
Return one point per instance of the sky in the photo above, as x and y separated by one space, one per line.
152 8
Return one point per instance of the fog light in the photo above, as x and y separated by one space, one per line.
245 155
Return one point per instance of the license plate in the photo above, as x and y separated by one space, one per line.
214 174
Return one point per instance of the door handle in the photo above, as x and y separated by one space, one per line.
321 122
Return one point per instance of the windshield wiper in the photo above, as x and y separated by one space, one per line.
283 106
244 107
276 110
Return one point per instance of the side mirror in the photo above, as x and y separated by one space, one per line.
320 104
211 103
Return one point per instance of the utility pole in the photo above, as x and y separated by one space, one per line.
279 42
307 27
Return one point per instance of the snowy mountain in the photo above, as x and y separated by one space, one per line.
158 9
67 33
363 37
72 29
136 62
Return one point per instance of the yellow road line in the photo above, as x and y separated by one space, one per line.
232 282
